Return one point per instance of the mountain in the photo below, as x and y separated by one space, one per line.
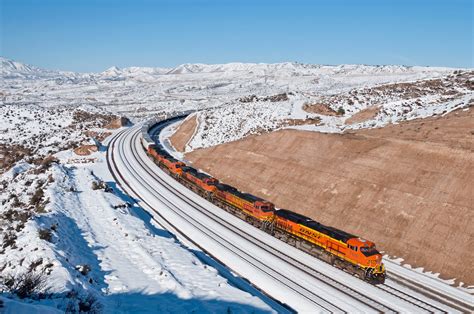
16 70
143 74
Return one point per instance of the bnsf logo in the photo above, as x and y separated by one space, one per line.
309 233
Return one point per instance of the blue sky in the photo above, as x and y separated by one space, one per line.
94 35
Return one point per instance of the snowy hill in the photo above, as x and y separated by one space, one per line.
47 113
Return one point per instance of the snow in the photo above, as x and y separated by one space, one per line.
16 170
212 236
135 265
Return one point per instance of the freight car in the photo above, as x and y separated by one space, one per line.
341 249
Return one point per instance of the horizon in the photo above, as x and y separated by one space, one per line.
227 63
93 37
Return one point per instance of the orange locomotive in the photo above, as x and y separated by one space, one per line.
251 208
343 250
166 161
199 182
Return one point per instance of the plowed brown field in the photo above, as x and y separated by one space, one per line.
408 187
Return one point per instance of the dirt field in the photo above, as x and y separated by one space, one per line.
408 187
364 115
183 134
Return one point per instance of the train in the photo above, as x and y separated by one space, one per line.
343 250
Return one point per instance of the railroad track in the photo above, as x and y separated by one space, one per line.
302 290
442 298
308 270
138 154
410 298
423 305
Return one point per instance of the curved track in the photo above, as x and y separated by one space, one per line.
279 270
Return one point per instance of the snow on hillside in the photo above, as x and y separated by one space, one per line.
91 242
138 92
87 241
380 105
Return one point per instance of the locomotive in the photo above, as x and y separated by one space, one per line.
336 247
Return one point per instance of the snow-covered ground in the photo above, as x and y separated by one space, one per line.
197 212
100 245
242 98
91 245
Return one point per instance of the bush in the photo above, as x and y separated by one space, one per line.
9 240
16 202
37 197
83 269
95 185
46 162
82 304
89 304
341 111
101 185
45 234
26 285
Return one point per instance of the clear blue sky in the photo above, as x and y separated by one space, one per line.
94 35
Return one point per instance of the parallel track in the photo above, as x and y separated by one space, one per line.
310 271
449 301
318 302
273 273
419 303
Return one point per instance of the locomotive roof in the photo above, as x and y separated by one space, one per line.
165 154
196 173
225 187
246 196
310 223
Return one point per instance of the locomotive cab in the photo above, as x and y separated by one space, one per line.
368 257
211 181
265 206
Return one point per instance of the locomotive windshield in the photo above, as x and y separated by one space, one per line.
369 251
265 208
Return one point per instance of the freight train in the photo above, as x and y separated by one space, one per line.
341 249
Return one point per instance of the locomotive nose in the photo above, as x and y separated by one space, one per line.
375 260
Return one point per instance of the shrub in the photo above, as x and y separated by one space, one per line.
54 227
341 111
95 185
82 304
25 285
35 264
45 234
83 269
36 198
40 208
16 202
89 304
46 162
9 239
101 185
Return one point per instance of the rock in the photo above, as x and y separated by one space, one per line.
118 123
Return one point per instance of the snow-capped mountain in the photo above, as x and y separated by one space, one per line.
13 69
